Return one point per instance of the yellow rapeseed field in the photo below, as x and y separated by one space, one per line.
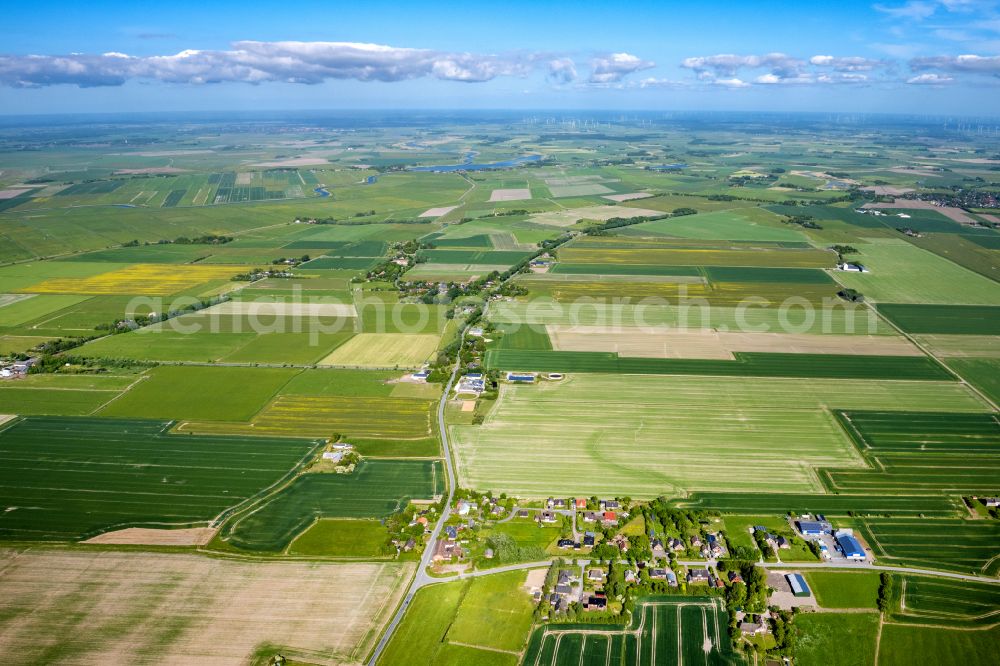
146 279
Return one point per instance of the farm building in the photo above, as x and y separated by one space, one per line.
814 527
798 584
851 546
520 377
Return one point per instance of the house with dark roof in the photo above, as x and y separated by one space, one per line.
699 576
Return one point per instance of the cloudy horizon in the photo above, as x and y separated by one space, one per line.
936 57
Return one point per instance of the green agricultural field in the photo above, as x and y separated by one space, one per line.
71 478
983 373
841 319
844 590
524 337
947 647
375 489
322 416
744 224
968 546
414 318
953 319
200 393
946 602
420 636
663 630
774 275
823 637
921 453
779 430
335 537
506 257
484 600
761 257
565 268
763 502
903 273
444 624
30 307
745 364
60 396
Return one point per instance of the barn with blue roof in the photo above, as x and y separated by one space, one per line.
851 546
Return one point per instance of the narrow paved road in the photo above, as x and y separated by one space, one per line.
421 578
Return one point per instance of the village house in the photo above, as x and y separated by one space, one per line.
547 517
596 601
446 549
699 576
753 628
580 503
609 518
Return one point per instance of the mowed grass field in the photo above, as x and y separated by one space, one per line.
947 647
903 273
835 589
374 489
110 607
823 639
71 478
200 393
446 624
335 537
663 631
744 224
384 350
651 435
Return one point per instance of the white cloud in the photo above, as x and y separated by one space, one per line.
929 79
731 83
562 70
915 10
846 64
781 69
257 62
614 67
964 64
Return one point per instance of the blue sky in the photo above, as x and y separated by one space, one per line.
912 56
